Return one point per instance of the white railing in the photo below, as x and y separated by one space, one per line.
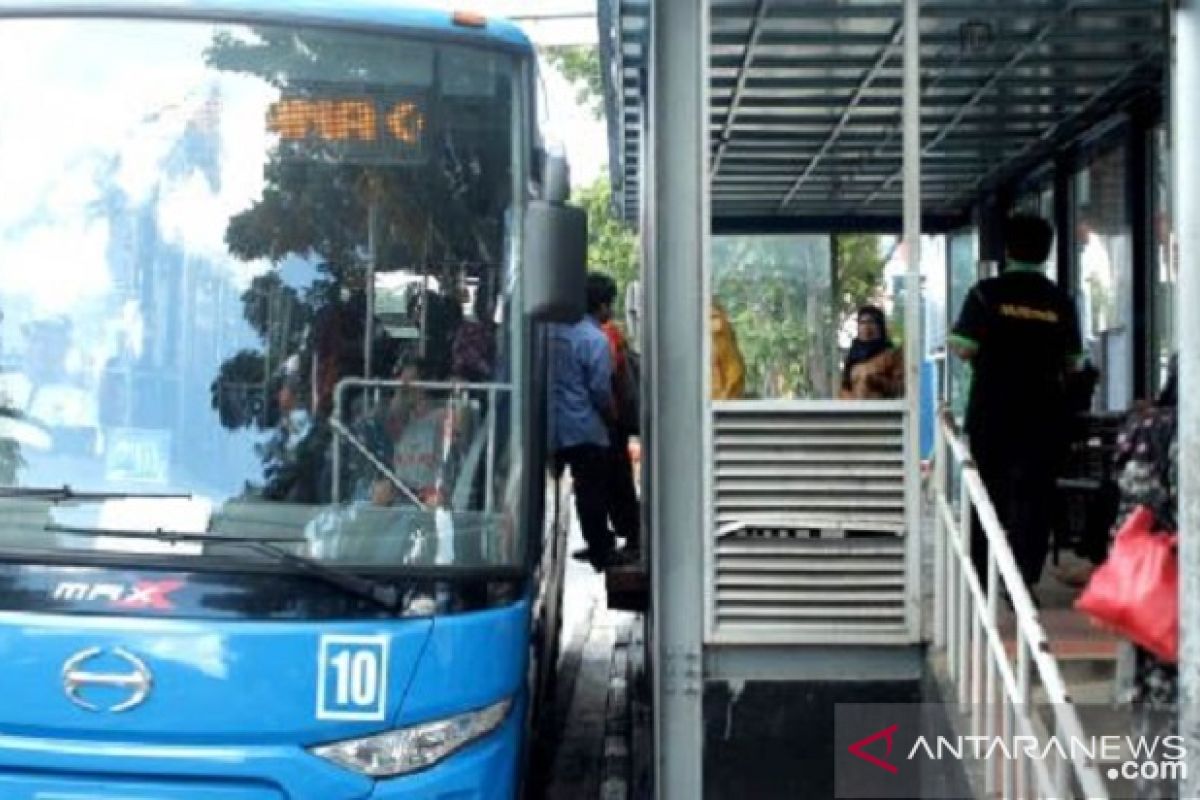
994 695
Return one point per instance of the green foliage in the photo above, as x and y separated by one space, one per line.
612 245
580 64
860 270
765 284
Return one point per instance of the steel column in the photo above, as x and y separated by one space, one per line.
912 305
1064 231
676 300
1185 121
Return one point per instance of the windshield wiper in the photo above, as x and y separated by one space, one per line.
57 494
386 597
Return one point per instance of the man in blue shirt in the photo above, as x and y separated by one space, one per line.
583 408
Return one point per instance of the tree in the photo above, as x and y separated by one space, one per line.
580 64
612 245
860 270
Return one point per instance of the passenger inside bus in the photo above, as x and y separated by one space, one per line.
439 315
294 458
473 354
415 428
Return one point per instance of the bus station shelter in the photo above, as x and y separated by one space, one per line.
906 117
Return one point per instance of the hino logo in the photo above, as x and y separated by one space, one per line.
141 594
136 683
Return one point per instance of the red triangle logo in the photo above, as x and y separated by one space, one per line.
858 748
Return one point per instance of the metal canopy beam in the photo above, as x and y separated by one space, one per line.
837 9
756 28
806 104
1043 144
946 123
782 80
990 84
768 140
840 125
771 223
761 87
784 66
783 43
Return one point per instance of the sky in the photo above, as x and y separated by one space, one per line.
573 127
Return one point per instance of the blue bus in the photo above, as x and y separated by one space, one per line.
275 513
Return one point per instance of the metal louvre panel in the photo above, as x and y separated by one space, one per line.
830 462
809 513
789 589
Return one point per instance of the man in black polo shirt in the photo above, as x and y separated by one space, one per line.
1020 333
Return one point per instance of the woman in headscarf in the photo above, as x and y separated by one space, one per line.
874 367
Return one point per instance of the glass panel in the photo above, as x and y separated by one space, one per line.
1040 201
240 276
964 261
1164 260
1046 210
1105 274
776 291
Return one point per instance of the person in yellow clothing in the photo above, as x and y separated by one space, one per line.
728 369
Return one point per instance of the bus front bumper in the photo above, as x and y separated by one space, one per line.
35 768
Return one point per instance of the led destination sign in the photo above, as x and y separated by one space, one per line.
356 129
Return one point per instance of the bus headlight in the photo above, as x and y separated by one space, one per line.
406 750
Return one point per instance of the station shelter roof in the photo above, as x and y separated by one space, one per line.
805 99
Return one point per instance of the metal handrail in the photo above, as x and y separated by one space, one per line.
966 626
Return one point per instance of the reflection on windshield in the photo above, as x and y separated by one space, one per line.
274 275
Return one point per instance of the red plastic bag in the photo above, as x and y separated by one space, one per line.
1136 591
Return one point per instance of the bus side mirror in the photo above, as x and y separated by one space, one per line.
555 251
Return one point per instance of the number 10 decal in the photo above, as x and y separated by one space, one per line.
352 678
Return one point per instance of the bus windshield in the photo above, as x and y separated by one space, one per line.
259 280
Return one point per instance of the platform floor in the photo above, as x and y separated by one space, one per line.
590 742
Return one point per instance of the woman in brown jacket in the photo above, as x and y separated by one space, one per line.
874 367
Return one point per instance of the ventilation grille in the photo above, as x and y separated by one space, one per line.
810 516
779 587
835 463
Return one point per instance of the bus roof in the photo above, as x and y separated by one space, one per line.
393 15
